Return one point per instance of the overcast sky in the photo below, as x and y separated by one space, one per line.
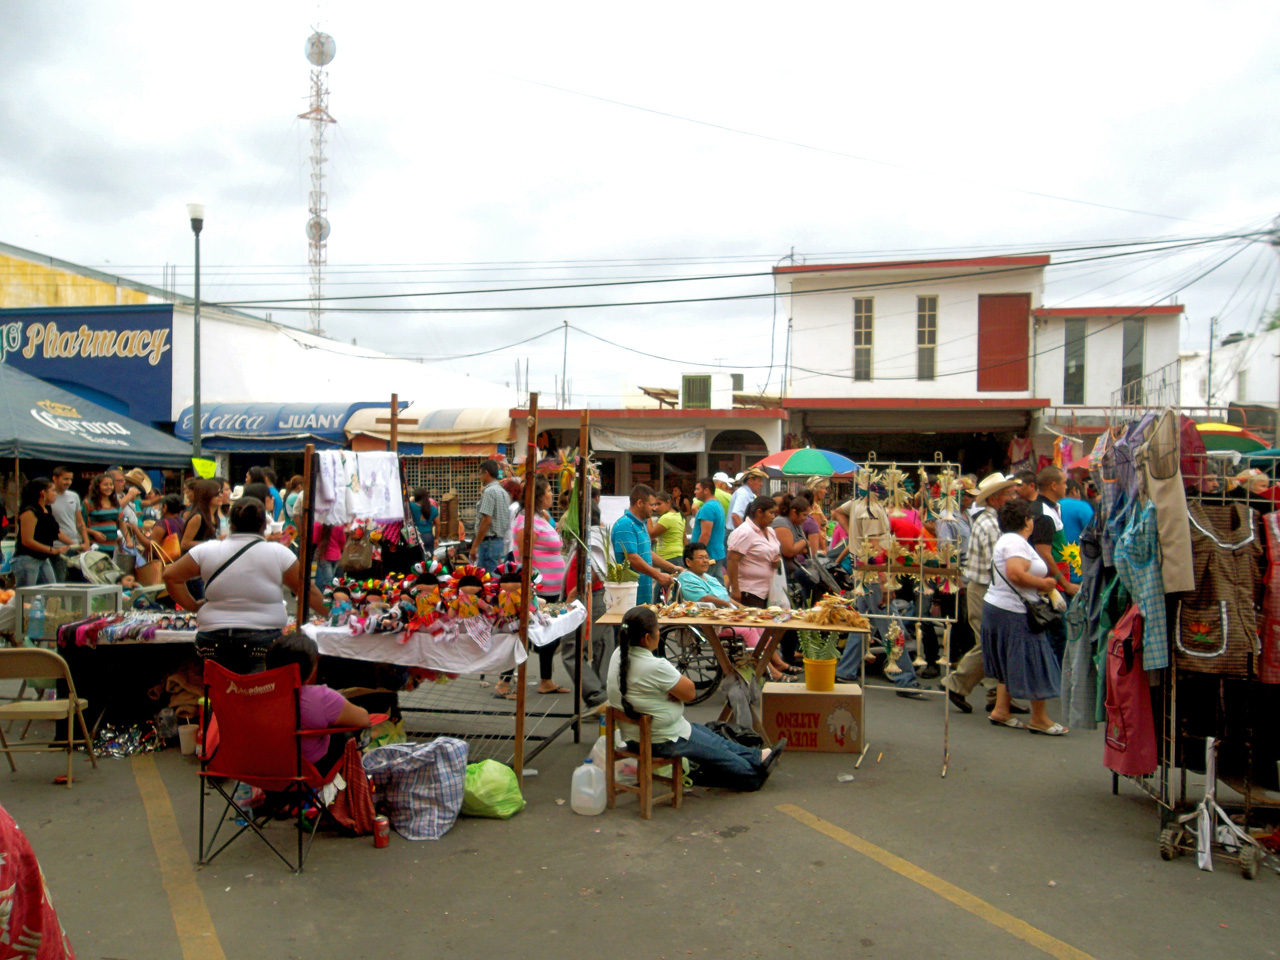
451 148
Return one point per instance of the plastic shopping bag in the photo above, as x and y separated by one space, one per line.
778 589
492 791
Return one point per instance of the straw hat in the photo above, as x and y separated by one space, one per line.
993 483
139 479
752 472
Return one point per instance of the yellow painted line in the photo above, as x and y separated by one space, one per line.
191 918
948 891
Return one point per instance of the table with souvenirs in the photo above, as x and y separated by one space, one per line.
834 615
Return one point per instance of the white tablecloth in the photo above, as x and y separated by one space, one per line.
459 654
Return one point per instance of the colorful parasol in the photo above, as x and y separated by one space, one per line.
807 462
1227 436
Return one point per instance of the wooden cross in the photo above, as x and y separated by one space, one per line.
395 422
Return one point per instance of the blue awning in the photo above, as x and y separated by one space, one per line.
272 427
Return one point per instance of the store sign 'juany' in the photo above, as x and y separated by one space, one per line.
47 341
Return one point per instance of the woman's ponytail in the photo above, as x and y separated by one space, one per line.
637 623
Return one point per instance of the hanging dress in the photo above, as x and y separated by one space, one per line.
1269 635
1158 461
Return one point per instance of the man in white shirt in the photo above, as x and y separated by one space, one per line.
752 484
67 511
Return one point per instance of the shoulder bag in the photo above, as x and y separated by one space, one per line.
234 557
1040 613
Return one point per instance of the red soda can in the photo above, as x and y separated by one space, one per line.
381 831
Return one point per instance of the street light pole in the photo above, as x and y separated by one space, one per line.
196 212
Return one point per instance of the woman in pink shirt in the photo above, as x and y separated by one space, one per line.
753 555
321 707
548 560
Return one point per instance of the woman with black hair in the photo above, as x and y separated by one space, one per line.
641 682
244 576
1022 662
39 536
321 707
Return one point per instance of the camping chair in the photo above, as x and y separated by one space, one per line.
259 743
33 663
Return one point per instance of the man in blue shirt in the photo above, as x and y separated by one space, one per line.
1076 515
630 539
708 524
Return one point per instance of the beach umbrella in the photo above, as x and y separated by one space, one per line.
1227 436
807 462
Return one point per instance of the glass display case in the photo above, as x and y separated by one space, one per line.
63 603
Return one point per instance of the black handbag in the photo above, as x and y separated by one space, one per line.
1040 613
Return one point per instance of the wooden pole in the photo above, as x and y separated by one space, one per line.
526 569
304 530
584 564
395 422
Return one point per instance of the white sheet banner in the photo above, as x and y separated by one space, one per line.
649 441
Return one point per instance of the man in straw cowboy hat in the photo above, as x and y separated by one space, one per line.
975 569
752 484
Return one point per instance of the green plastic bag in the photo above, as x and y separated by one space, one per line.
492 790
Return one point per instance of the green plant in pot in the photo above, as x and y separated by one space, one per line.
820 655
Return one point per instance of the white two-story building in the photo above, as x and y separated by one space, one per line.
908 358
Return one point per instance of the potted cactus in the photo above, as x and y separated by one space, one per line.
820 655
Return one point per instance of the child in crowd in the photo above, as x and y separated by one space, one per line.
321 707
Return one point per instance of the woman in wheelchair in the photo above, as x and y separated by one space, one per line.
321 707
641 682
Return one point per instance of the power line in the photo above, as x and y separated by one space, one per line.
881 284
841 153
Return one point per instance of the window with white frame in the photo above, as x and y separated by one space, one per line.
926 337
863 335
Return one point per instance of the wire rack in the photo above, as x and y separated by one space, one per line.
443 474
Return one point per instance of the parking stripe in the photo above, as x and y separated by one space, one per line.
191 918
948 891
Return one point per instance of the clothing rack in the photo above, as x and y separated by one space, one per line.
1193 706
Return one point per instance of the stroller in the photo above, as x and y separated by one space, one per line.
99 569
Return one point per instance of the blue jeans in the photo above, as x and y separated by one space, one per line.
491 553
326 570
721 762
872 607
28 571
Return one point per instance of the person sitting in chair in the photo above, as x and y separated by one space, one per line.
641 682
696 584
321 707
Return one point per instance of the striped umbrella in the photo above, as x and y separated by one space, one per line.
807 462
1227 436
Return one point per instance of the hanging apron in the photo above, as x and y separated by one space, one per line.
1130 746
1217 628
1158 461
1269 661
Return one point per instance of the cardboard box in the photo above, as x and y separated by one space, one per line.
819 722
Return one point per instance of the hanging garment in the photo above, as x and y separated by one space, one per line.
1192 451
1103 456
1217 623
1021 454
1138 565
1130 748
1269 635
358 486
1079 676
1158 460
1126 492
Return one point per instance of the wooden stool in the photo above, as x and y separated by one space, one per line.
644 761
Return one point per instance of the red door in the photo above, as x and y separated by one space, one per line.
1003 341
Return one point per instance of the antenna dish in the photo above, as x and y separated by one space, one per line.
320 49
318 229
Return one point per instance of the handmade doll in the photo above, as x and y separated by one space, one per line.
340 607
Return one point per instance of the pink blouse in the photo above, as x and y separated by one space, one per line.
760 551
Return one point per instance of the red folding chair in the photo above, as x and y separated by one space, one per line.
259 743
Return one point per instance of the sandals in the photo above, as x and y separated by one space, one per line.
554 691
1057 730
1012 723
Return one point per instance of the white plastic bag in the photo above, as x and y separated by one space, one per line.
778 589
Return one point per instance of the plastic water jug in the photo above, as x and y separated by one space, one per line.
587 793
35 619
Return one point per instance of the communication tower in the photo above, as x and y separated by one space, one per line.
319 50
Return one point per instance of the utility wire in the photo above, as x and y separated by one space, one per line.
841 153
879 284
